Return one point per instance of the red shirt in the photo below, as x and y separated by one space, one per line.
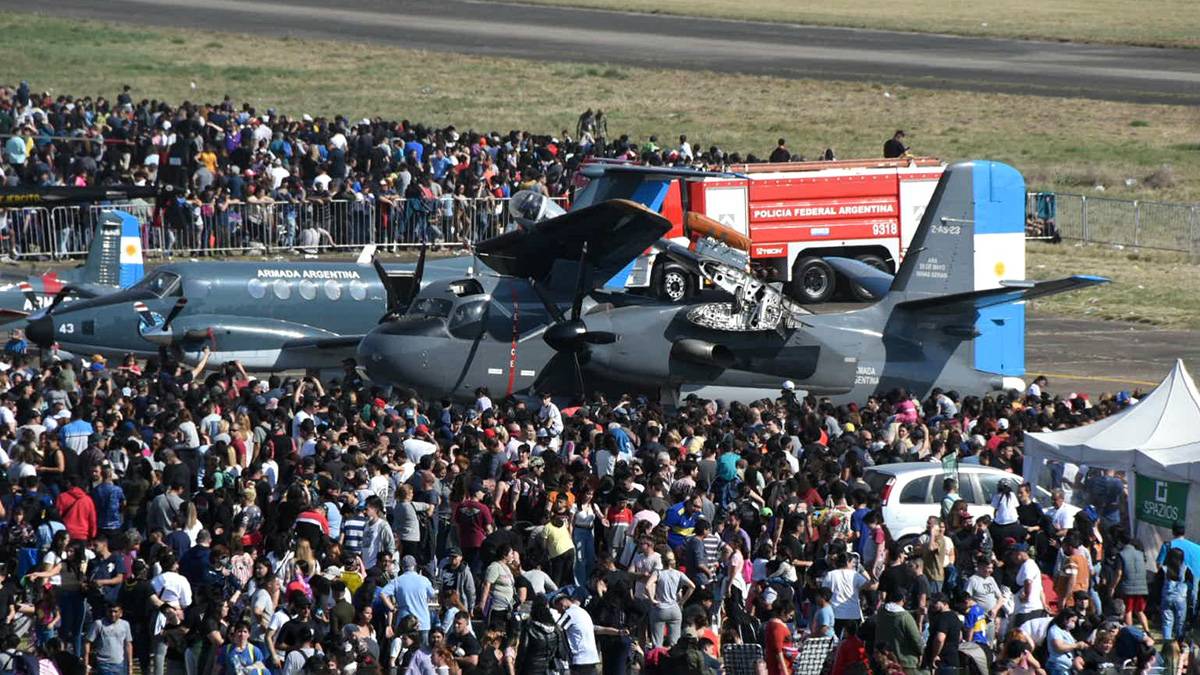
777 638
472 519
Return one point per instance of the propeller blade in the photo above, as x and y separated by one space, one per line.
580 280
598 337
551 308
144 312
582 388
59 297
27 291
418 274
179 305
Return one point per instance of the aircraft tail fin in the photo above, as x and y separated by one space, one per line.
970 240
115 255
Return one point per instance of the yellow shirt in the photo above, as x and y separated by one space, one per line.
558 540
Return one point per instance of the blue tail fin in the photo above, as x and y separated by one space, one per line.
972 238
115 255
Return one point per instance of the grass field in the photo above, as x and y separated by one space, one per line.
1063 144
1174 23
1153 289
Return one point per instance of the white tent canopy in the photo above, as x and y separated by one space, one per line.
1158 437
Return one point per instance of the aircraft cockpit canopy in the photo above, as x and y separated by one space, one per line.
528 207
161 283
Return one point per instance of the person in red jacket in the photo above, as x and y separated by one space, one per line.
78 512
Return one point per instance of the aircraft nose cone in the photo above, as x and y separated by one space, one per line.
40 331
377 356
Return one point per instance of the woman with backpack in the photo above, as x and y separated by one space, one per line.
543 644
239 657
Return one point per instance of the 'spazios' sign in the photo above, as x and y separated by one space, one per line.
1160 502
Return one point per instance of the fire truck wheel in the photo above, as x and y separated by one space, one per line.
813 280
878 263
674 283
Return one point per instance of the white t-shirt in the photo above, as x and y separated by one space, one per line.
1029 571
845 585
1006 508
173 587
415 449
581 636
1064 516
1036 629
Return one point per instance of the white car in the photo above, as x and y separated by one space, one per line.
911 492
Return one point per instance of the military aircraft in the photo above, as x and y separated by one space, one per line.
267 315
114 261
536 321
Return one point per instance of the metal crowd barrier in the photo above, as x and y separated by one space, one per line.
278 227
1118 222
316 226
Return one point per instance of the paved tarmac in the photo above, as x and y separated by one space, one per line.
1087 355
1137 74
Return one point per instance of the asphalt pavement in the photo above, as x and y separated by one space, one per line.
1089 355
1136 74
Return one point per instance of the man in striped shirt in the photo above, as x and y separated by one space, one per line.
76 433
353 525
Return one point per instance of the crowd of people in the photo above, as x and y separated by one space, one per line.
247 175
212 523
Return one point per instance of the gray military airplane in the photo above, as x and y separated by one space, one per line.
537 322
267 315
114 261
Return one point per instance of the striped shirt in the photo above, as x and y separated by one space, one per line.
352 533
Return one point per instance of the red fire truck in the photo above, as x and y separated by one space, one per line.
797 213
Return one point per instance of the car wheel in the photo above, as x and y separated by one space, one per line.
813 280
674 284
878 263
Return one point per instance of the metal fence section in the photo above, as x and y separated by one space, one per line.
274 227
1116 222
316 226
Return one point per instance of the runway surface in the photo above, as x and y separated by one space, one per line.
1094 356
1136 74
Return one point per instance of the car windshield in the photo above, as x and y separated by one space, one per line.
160 283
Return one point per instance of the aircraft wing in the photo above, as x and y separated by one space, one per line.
1010 291
615 232
8 314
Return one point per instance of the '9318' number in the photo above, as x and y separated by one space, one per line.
884 229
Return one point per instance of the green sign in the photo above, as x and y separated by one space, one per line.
1160 502
950 465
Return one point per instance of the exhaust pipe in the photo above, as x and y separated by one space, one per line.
702 352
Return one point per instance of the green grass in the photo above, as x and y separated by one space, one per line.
1169 23
1152 289
1061 144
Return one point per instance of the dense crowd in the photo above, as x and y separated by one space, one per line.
218 524
246 174
211 523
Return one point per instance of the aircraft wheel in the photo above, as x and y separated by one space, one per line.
674 284
813 280
878 263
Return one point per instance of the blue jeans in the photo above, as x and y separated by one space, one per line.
585 555
1174 616
112 669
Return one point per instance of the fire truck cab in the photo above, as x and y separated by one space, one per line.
795 214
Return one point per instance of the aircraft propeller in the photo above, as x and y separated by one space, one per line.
27 291
571 335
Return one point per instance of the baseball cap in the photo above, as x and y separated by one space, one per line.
536 461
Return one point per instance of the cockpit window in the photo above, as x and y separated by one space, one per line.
160 283
437 308
467 319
